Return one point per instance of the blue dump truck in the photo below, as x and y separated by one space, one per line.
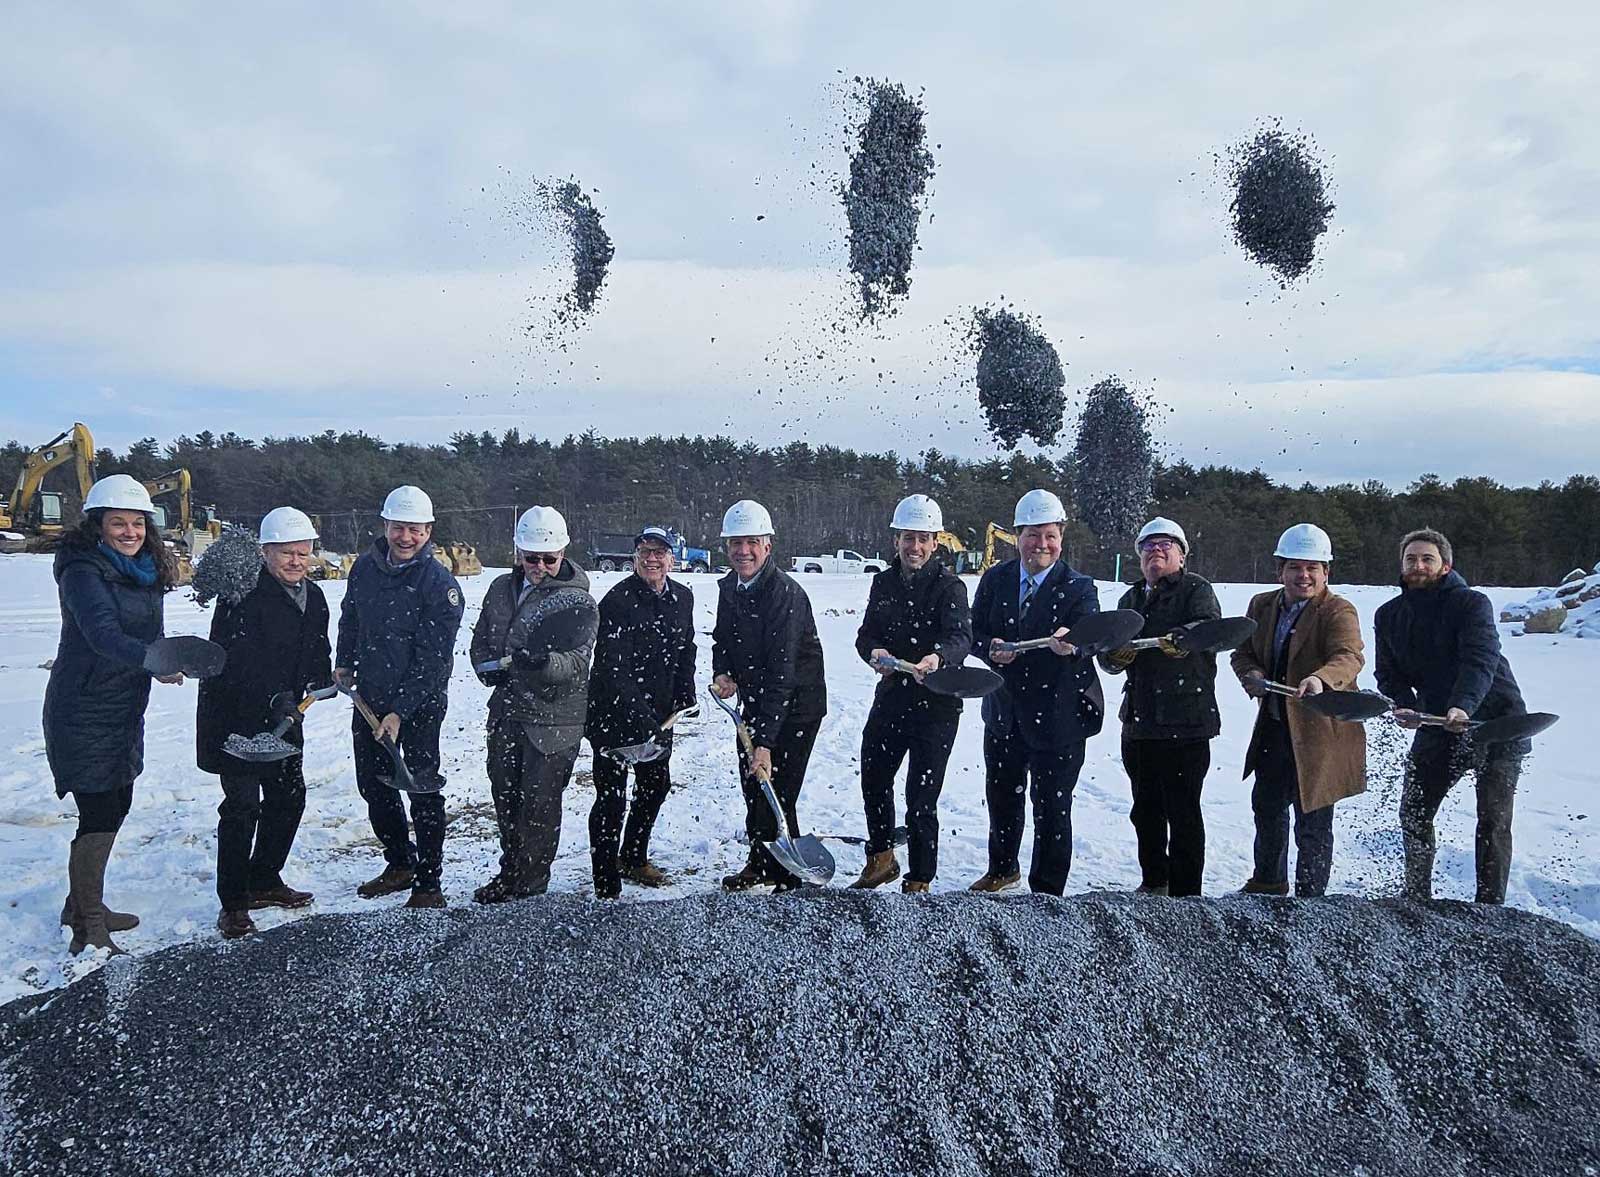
612 551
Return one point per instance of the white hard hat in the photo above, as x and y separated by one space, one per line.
1305 541
285 525
1162 526
917 513
1038 506
746 517
408 504
119 492
541 529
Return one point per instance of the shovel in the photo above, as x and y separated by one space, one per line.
402 779
899 837
1095 634
1350 706
1502 730
964 682
186 654
648 750
1204 637
270 746
804 857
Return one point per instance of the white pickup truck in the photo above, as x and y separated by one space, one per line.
844 560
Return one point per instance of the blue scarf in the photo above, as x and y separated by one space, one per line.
141 569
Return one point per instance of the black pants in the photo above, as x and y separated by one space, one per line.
419 741
1050 777
256 824
791 752
1431 772
526 785
889 738
1275 793
103 813
651 783
1167 777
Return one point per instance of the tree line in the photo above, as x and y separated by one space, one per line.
825 497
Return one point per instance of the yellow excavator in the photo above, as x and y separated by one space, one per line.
33 516
460 558
961 558
192 531
993 536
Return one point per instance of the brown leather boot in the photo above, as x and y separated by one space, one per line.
393 878
282 895
913 887
234 924
646 874
1257 887
116 921
990 883
750 875
432 898
86 870
881 868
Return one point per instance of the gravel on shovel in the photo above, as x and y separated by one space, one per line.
828 1033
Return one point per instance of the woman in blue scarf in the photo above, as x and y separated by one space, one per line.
111 573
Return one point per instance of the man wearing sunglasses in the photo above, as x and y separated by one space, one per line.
643 672
1169 713
537 709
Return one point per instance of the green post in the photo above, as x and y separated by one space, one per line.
1117 575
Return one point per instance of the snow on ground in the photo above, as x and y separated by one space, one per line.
164 866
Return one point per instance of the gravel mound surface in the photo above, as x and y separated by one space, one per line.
829 1033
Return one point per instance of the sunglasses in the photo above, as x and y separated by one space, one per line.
1157 545
548 559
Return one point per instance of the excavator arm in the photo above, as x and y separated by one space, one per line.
76 445
179 483
995 534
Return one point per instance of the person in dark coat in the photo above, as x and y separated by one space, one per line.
916 612
111 573
1169 714
643 672
1036 724
276 636
537 708
397 633
765 648
1438 652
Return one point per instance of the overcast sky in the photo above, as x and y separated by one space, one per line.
283 218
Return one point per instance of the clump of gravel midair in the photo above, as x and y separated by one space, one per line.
1280 200
890 166
566 208
1113 463
1020 381
228 569
835 1033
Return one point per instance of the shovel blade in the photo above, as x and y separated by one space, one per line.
805 857
185 654
262 749
964 682
1215 635
1099 632
1513 727
635 753
1350 706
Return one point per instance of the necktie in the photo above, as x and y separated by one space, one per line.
1029 587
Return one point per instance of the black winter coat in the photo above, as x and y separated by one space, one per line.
95 702
643 662
1438 648
765 639
911 619
1170 698
272 647
1047 700
397 630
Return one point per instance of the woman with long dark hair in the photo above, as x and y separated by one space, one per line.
111 573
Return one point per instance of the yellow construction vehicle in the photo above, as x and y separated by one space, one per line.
993 536
32 514
192 531
956 555
461 558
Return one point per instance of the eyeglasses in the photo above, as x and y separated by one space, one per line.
548 559
649 552
1158 545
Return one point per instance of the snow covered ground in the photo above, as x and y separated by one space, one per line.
165 861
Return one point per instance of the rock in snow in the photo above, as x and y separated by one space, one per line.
829 1033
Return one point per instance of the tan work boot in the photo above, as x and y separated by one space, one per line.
1255 887
646 874
393 878
86 870
882 867
992 883
750 875
913 887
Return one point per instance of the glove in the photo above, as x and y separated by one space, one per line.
531 659
282 706
663 741
1170 648
1121 658
493 678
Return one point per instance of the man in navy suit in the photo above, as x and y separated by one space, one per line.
1036 724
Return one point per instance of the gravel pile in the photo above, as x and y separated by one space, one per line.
228 569
1280 200
828 1033
1112 462
1021 387
890 166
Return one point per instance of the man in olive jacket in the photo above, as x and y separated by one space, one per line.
1308 638
1169 714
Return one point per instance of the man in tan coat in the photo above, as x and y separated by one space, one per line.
1310 639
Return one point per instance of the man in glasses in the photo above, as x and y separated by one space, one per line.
643 672
765 648
1169 713
397 637
537 709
